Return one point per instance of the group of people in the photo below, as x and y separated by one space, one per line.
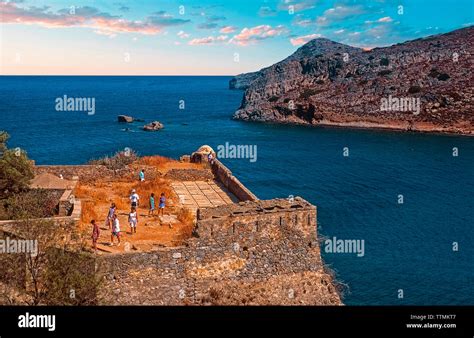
113 222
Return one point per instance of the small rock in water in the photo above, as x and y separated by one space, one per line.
125 118
153 126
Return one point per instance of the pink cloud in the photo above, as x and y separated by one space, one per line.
182 35
301 40
228 29
385 19
210 40
89 17
251 35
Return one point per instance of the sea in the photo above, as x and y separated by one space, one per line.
408 197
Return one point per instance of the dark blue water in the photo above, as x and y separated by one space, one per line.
408 246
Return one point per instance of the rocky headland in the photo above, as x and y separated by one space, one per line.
419 85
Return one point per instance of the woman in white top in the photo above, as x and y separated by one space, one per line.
115 230
133 220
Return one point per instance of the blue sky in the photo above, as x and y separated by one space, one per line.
202 37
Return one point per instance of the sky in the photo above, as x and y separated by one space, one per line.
205 37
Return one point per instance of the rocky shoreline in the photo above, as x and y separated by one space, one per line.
424 85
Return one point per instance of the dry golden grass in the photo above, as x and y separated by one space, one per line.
99 194
157 186
155 161
94 192
88 212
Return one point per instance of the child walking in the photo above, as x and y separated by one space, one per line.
133 220
161 206
95 234
152 204
115 230
110 215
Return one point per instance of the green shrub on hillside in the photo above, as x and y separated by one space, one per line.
16 170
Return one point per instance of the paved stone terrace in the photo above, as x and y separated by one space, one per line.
202 194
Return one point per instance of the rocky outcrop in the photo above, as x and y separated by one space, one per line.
421 85
125 118
153 126
243 81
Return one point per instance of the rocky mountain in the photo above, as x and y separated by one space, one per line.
423 85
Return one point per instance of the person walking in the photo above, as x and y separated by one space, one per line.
95 234
115 230
133 220
134 199
110 215
152 204
162 204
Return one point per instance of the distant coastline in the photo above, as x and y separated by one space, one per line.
427 84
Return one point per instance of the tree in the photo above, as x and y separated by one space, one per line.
59 272
16 170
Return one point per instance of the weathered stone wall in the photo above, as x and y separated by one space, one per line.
85 173
224 175
262 252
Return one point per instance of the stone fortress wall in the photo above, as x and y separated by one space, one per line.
254 252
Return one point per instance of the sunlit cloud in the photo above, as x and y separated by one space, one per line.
301 40
381 20
89 17
228 29
339 13
182 35
251 35
210 40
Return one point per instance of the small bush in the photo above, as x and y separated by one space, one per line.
433 73
16 169
35 203
384 72
273 99
443 77
119 161
414 89
307 92
384 62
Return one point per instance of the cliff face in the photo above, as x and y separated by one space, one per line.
243 81
424 85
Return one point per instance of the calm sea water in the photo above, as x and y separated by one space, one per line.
408 246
